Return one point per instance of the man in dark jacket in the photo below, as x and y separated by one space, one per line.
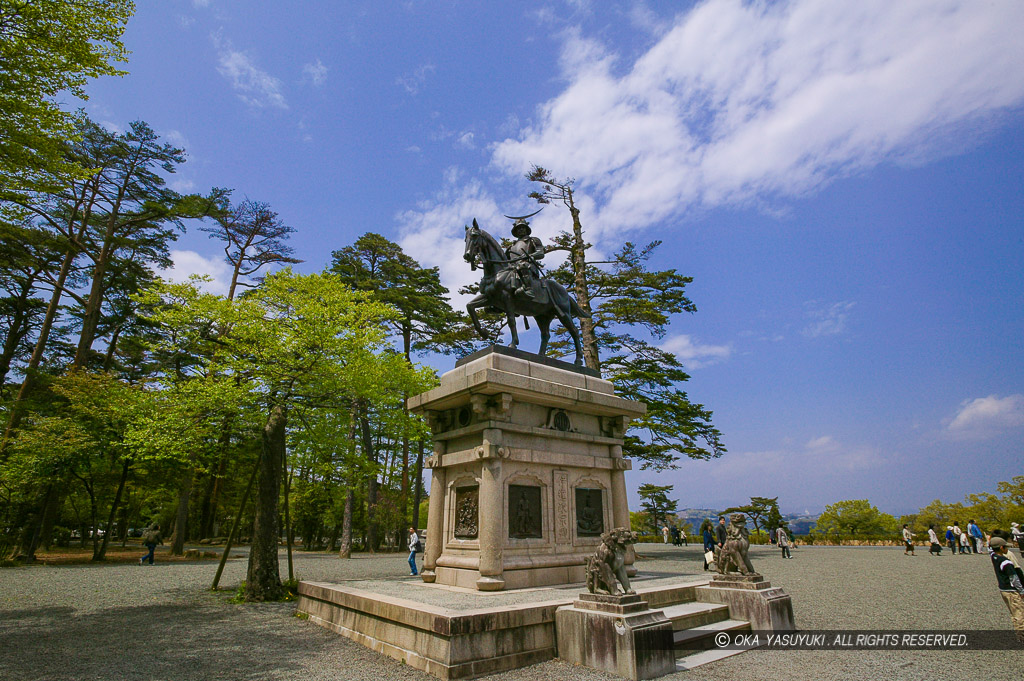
150 538
720 534
1010 587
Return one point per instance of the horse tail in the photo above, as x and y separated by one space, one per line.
576 311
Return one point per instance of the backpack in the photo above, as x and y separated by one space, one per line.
418 546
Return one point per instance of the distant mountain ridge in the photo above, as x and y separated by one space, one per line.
799 523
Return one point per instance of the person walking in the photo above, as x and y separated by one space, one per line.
936 548
965 543
665 533
675 536
414 546
709 542
951 539
977 536
908 541
957 532
150 538
1018 536
1010 587
783 540
720 533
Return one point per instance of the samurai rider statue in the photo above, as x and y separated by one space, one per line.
525 255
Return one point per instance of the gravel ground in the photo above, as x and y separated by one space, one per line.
160 622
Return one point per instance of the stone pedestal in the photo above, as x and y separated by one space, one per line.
620 635
527 470
752 598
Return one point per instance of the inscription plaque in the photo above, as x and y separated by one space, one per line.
589 512
524 512
562 535
467 512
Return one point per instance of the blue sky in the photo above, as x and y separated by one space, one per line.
842 180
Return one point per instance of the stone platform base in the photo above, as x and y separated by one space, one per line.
460 644
447 644
753 599
620 635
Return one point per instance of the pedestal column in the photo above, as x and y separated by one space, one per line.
620 509
491 564
435 514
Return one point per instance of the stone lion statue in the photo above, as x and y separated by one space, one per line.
732 557
609 563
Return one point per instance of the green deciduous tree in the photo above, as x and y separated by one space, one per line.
49 48
855 517
295 342
426 322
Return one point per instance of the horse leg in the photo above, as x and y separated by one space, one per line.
510 315
471 309
565 317
544 324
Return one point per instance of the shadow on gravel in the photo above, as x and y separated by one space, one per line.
154 642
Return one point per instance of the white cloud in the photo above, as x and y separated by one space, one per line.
827 320
200 3
696 355
985 416
314 73
414 82
255 87
465 141
824 460
742 101
187 263
433 233
182 185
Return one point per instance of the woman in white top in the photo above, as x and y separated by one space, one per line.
908 541
933 539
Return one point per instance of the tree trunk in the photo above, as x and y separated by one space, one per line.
235 525
19 327
263 580
101 552
288 518
181 517
94 303
37 351
346 525
579 266
49 516
418 494
372 534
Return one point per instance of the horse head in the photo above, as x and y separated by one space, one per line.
472 244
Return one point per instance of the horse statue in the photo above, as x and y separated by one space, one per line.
501 291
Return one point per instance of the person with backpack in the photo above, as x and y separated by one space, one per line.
414 547
150 538
1010 587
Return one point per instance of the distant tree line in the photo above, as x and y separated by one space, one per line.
858 518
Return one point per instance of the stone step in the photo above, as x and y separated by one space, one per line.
685 664
700 638
693 614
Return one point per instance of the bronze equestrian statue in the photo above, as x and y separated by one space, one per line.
512 283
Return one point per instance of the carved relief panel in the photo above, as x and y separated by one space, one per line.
524 512
467 512
589 512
